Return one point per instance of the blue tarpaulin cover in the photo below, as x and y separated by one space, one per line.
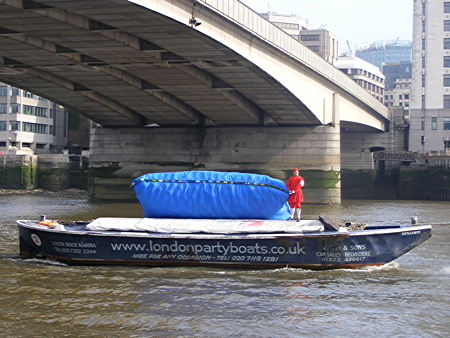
212 194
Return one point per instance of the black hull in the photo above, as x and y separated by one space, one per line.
325 250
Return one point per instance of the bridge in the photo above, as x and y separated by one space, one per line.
186 84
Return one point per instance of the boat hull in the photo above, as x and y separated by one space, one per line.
325 250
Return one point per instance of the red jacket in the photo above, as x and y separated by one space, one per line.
295 183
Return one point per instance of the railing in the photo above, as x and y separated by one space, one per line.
252 21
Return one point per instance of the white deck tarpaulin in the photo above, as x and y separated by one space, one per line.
210 226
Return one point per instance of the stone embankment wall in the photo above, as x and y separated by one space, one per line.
18 171
47 171
360 179
427 180
53 171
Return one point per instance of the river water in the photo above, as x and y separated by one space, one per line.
406 298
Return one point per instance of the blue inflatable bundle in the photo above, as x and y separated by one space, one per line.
212 194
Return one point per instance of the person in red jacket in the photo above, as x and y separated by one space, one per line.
295 185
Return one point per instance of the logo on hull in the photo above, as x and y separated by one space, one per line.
36 240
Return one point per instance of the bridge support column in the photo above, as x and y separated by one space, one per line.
119 155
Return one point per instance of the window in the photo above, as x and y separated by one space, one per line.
423 101
27 94
14 108
423 26
447 42
422 123
35 128
423 8
447 61
3 91
446 25
423 62
434 123
2 144
446 123
446 80
14 91
406 96
423 44
314 48
2 108
446 7
310 37
36 111
446 101
287 25
27 109
14 125
2 125
423 80
39 111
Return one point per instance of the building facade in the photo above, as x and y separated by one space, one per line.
365 74
29 123
320 41
291 24
381 52
397 99
430 93
395 71
399 95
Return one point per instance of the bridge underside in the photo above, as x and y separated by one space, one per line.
123 65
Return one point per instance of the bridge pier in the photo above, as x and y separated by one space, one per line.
117 155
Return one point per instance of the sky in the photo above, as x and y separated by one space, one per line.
356 21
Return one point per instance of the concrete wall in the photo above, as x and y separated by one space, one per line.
119 155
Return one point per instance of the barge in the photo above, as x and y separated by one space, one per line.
309 244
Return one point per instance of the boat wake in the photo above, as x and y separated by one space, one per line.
364 269
386 267
42 261
9 256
